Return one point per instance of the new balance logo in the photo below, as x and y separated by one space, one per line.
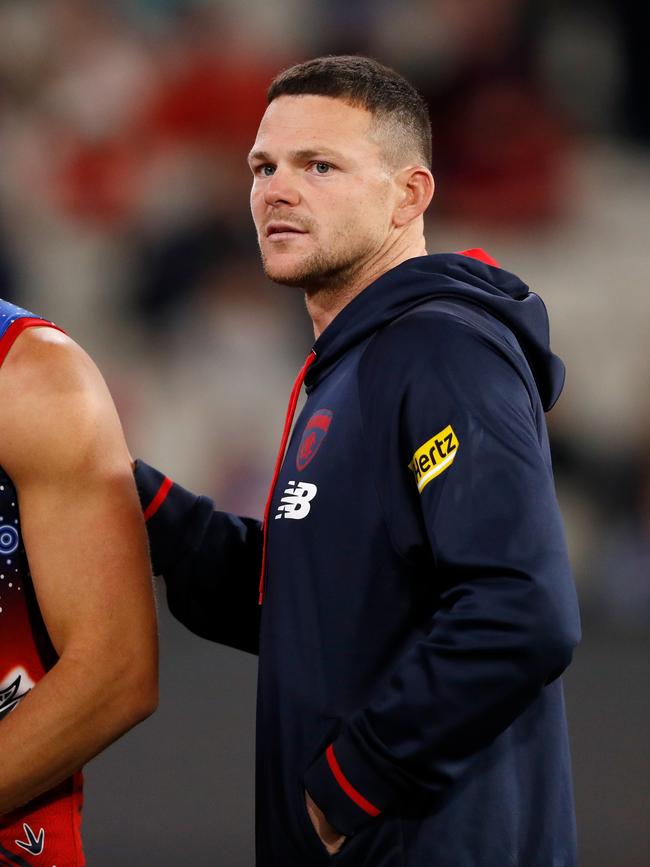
296 502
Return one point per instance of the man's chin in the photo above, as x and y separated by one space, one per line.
284 273
283 278
312 274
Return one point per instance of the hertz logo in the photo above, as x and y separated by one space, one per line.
434 456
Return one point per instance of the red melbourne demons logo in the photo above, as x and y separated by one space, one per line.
314 434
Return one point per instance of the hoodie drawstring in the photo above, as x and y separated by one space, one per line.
291 409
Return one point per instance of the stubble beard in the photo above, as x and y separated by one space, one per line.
324 271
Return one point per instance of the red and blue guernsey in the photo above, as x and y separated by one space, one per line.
47 831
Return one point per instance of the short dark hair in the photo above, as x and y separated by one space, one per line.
366 83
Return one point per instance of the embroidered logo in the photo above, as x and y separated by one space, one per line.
434 457
296 502
312 438
34 845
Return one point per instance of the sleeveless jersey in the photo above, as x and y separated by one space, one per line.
47 831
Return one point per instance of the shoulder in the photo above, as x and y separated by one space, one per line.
451 356
39 354
442 337
444 323
51 394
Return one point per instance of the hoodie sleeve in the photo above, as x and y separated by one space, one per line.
463 474
210 560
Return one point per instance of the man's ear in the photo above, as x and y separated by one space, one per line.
416 186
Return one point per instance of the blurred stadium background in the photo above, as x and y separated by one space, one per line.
124 126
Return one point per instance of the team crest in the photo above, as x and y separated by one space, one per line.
312 438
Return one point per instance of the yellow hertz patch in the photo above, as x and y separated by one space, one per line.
434 457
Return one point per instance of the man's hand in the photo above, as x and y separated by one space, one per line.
330 837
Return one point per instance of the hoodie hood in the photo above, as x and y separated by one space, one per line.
472 277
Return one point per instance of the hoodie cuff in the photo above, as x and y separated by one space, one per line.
167 508
345 785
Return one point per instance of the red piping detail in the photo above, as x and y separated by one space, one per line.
159 499
347 786
291 409
481 255
16 328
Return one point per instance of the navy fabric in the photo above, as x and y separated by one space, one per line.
9 314
419 610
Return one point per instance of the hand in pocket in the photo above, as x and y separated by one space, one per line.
330 837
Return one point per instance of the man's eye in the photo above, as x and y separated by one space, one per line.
322 168
266 170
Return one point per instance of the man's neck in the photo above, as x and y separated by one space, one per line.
325 304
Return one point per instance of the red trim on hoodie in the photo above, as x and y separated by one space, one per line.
291 409
161 495
347 786
481 255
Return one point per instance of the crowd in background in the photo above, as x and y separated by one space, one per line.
124 126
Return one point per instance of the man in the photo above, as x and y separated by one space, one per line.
417 605
78 646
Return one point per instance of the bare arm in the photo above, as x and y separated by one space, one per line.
63 447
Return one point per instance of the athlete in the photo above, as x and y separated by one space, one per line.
417 601
78 646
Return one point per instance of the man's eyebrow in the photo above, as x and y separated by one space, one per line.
311 153
302 155
259 156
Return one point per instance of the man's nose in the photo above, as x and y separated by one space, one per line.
281 189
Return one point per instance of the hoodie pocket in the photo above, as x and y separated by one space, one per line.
376 845
379 844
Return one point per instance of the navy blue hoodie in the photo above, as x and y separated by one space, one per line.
419 606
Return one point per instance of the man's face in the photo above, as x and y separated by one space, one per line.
322 195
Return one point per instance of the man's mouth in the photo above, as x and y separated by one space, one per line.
283 231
